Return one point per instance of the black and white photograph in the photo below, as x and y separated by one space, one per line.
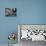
10 11
31 34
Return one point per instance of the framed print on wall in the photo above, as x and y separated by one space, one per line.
32 32
10 11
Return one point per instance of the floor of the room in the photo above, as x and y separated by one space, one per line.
9 45
32 43
28 43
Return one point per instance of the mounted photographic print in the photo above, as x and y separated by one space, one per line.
10 11
32 32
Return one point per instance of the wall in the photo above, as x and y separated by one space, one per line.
28 12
